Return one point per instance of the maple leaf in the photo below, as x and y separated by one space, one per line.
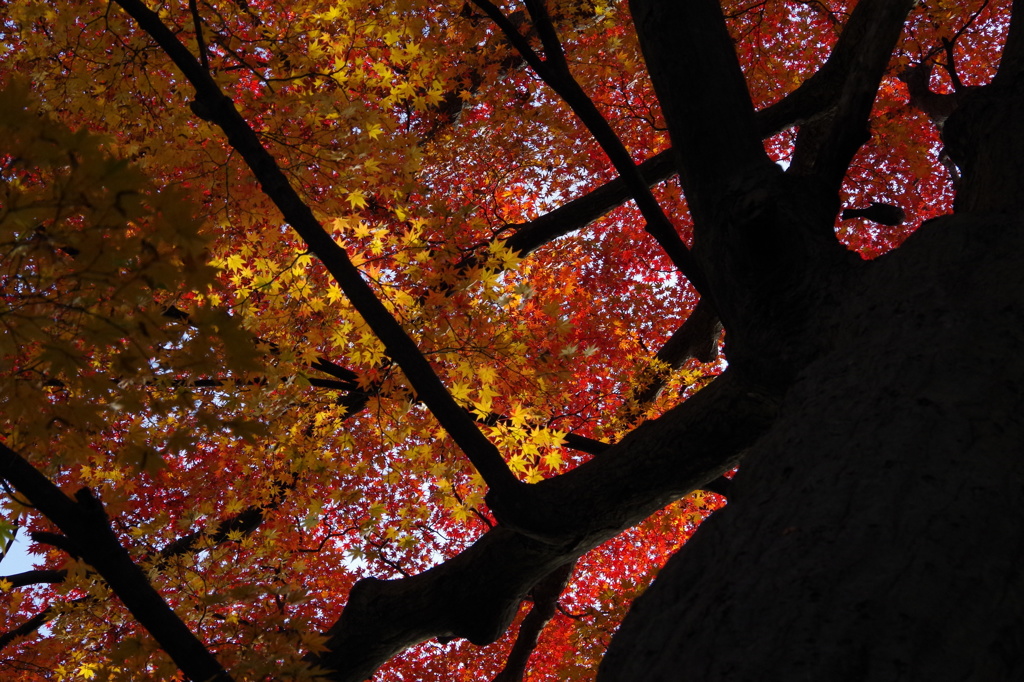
260 387
357 199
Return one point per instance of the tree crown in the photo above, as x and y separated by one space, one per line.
336 292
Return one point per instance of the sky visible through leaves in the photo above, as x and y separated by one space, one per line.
170 342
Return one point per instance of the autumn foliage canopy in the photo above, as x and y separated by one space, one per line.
297 295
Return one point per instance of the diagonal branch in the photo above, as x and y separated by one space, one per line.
580 212
555 72
37 577
476 594
696 338
27 628
825 147
545 602
87 529
243 523
704 96
213 105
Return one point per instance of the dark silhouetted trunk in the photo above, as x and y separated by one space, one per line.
876 531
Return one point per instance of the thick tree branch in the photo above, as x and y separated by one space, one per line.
645 470
820 93
212 105
696 338
84 522
555 72
703 95
475 594
40 577
27 628
824 148
545 602
580 212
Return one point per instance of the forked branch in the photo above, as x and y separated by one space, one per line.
855 68
555 72
87 529
476 594
213 105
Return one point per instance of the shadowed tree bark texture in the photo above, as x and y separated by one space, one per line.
875 530
874 533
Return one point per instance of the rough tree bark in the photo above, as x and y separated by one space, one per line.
874 532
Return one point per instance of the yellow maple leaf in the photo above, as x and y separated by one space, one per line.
357 199
519 415
487 374
533 475
461 393
233 262
553 459
331 14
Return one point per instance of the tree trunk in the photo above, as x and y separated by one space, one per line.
877 531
